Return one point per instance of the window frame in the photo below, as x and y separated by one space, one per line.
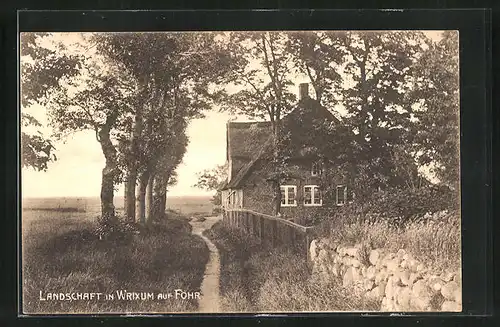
284 190
313 196
316 169
337 195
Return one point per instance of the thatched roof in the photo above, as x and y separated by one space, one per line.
245 139
249 141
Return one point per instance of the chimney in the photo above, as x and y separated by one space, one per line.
303 91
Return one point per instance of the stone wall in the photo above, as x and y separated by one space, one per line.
400 282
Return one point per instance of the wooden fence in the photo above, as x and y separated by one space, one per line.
271 230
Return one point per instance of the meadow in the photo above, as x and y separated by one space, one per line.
62 254
185 205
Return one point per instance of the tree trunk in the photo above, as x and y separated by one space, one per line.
141 198
108 177
149 199
277 168
160 188
129 196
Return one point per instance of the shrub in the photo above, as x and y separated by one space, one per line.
435 240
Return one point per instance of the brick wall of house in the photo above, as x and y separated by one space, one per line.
258 193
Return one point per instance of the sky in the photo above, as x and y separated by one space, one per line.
77 172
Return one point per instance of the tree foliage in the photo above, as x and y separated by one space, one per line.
437 93
212 180
42 72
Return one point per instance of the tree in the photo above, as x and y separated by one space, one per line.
320 57
437 114
212 180
265 92
42 71
380 69
99 106
80 91
174 74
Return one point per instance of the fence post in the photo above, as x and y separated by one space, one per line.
254 230
274 232
307 246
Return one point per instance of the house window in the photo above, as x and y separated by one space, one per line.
312 196
341 195
288 193
316 169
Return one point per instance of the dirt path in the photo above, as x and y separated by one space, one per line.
209 301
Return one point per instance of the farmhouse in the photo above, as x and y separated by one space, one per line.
249 153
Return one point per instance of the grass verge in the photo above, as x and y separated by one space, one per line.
435 241
256 278
61 254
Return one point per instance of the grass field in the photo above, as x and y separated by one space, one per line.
256 278
186 205
61 254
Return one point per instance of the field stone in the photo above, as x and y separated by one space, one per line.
391 288
401 254
447 277
404 276
436 283
403 298
381 276
351 276
341 251
377 293
374 257
355 263
420 268
353 252
335 270
388 257
451 306
392 265
420 303
420 289
371 272
448 290
322 255
414 276
413 264
404 264
368 284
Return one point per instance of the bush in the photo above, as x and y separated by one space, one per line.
399 205
435 239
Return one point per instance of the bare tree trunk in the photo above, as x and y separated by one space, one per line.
108 175
129 196
149 199
163 203
141 198
277 169
158 195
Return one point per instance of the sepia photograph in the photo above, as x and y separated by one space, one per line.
240 172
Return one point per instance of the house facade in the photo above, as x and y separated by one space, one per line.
249 153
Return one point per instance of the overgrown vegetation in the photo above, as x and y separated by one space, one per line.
424 222
66 255
256 278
